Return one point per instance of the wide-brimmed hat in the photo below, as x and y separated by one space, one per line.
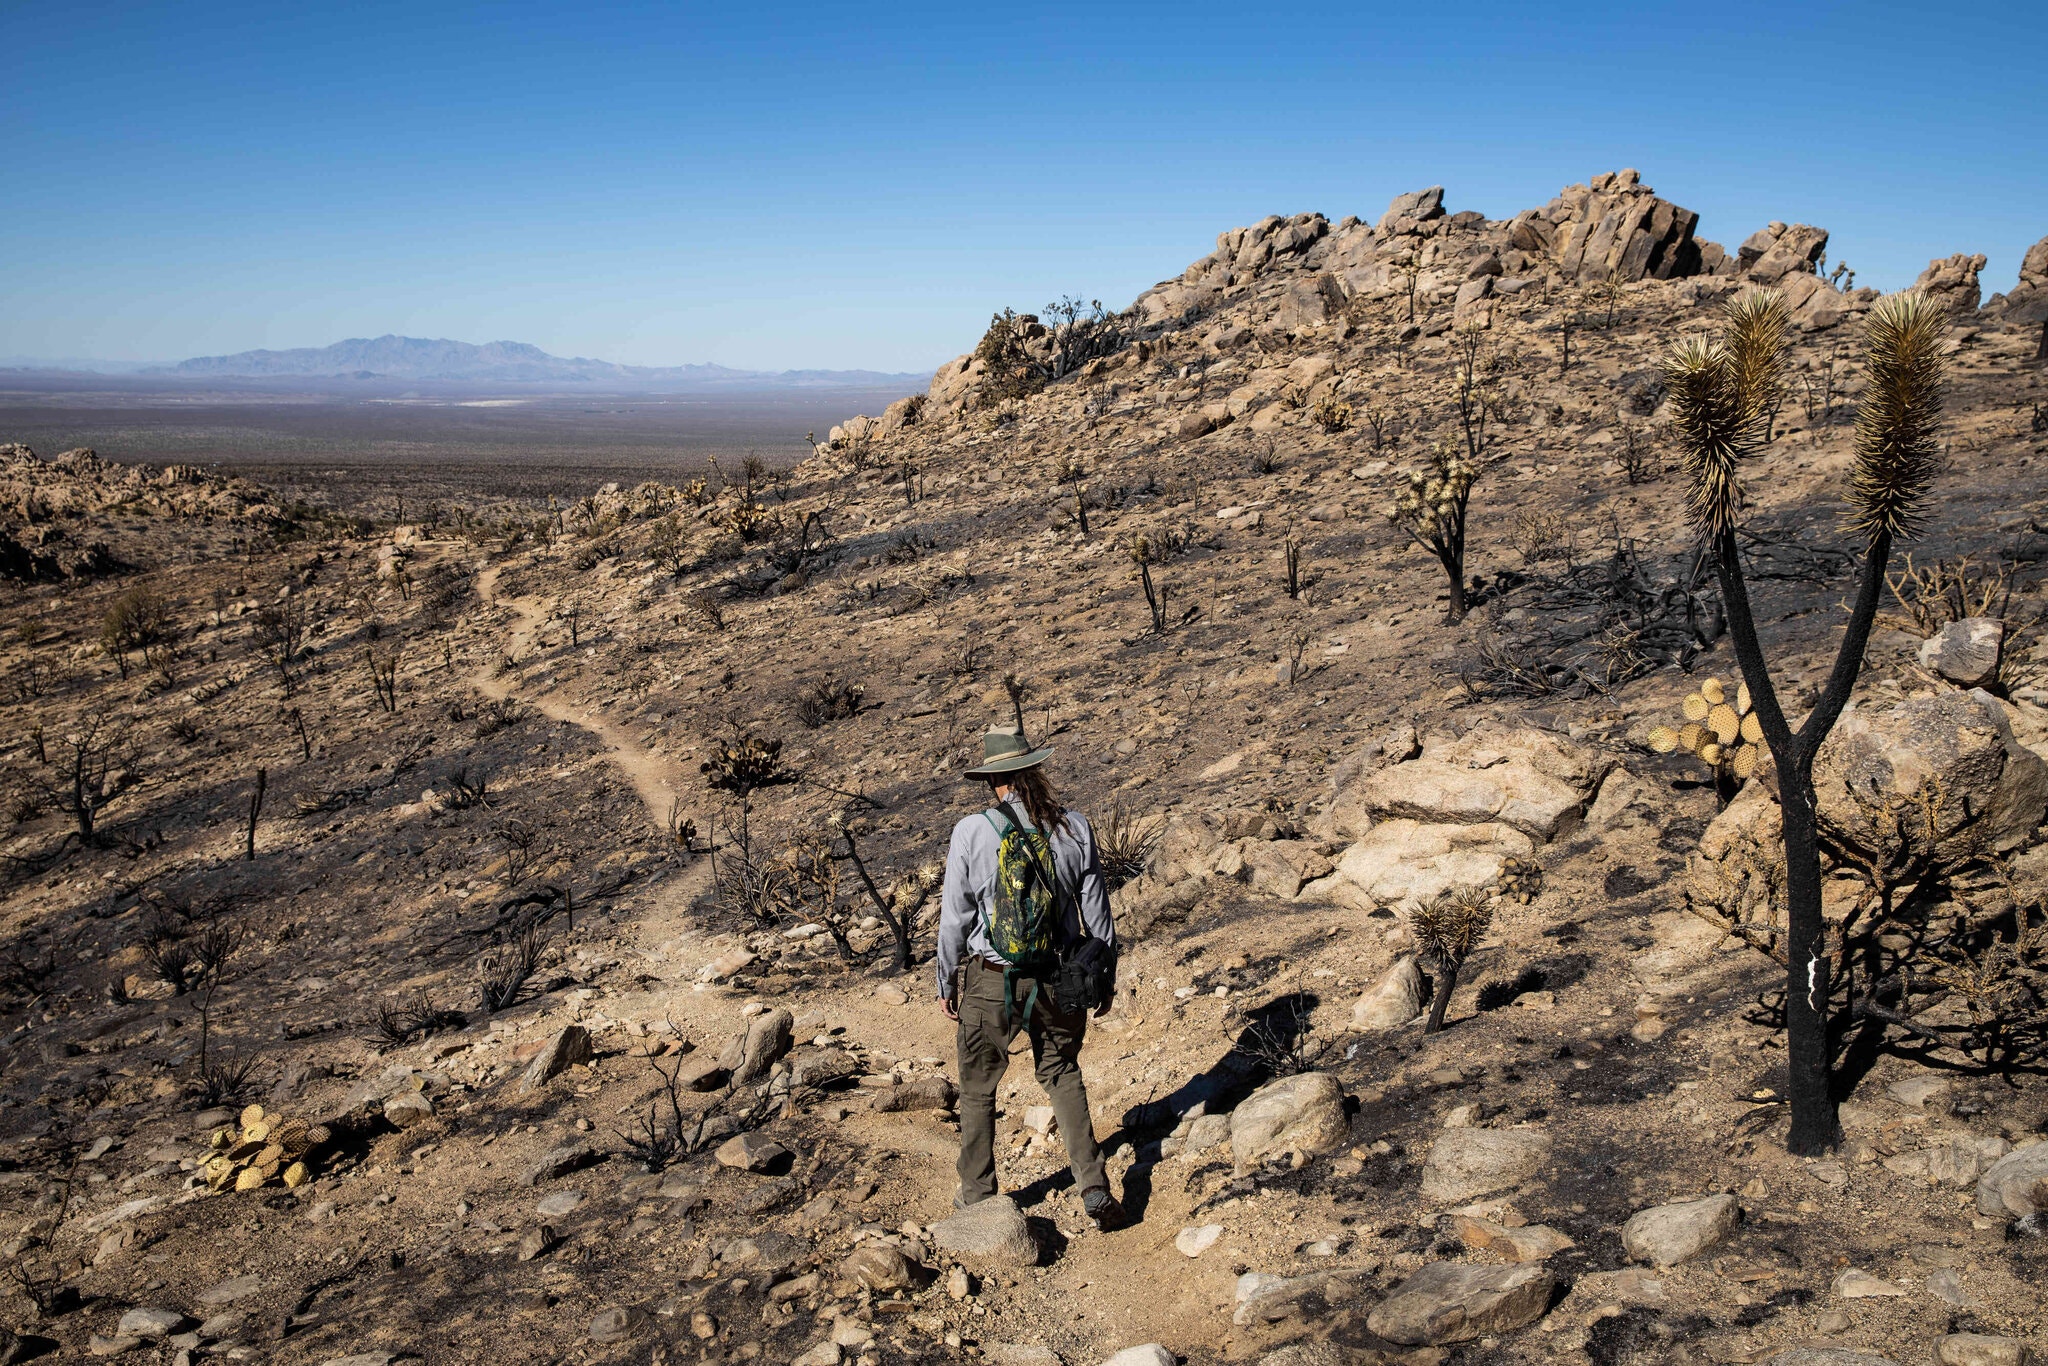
1004 750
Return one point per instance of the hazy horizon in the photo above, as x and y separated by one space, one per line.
789 188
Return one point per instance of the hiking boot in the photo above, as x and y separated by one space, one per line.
1103 1208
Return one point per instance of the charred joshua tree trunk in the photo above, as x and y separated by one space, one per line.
1722 397
899 924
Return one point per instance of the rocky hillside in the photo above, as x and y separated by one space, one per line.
474 942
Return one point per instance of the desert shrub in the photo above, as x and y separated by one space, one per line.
1932 596
1011 370
1080 333
828 700
396 1021
592 554
494 714
708 612
669 548
1331 413
745 763
1123 843
138 620
1638 458
88 765
502 972
281 633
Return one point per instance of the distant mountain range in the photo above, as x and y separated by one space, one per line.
502 362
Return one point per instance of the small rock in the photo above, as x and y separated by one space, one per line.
795 1288
560 1203
150 1323
1193 1242
1529 1243
1039 1119
724 966
1392 1001
617 1324
2016 1185
1150 1354
1945 1285
1827 1356
1467 1163
989 1234
100 1345
919 1093
1856 1284
879 1267
1980 1349
408 1108
1303 1113
750 1055
752 1152
1669 1234
221 1326
1205 1133
1264 1298
231 1291
1447 1302
825 1353
892 995
769 1250
958 1287
1965 652
561 1161
538 1243
565 1050
362 1359
701 1072
1304 1354
1915 1092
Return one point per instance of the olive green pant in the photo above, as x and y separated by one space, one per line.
985 1055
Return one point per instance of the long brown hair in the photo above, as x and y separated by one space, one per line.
1040 803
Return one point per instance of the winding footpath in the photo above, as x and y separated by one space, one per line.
656 780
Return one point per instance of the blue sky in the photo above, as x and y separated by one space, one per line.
860 185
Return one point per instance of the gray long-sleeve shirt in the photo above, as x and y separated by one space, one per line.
971 880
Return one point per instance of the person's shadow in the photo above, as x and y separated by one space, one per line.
1271 1041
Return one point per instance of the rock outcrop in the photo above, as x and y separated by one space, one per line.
2028 302
1952 282
1453 816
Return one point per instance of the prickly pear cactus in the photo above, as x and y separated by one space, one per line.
262 1149
1720 730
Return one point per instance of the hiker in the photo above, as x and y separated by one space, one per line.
1026 943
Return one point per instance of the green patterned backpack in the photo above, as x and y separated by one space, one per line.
1022 919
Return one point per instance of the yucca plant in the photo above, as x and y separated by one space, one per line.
1721 395
1447 927
1721 730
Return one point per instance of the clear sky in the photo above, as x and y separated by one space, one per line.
860 185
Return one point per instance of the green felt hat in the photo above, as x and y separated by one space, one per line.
1004 750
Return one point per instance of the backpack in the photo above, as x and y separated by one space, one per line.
1024 913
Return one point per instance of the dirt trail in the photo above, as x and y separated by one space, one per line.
657 781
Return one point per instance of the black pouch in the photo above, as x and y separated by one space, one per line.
1087 977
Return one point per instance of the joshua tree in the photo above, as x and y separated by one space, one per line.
1721 394
1447 928
1432 511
